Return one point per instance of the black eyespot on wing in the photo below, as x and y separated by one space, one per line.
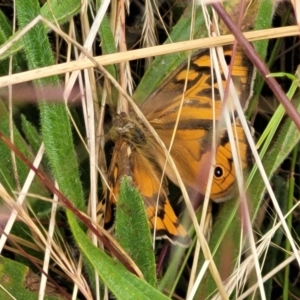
218 172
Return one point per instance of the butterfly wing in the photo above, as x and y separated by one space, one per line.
128 160
199 80
191 149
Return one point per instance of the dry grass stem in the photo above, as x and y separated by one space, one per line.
142 53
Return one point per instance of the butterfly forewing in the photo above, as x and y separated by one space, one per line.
192 145
199 85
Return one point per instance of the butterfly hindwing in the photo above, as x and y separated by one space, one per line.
146 177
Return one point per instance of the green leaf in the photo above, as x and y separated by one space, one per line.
108 42
122 283
5 33
31 134
18 282
53 10
60 11
264 16
281 193
286 139
7 178
108 46
133 231
56 128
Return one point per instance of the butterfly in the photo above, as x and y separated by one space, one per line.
138 155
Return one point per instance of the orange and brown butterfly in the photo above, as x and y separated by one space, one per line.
138 155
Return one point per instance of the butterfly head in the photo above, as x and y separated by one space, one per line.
130 130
